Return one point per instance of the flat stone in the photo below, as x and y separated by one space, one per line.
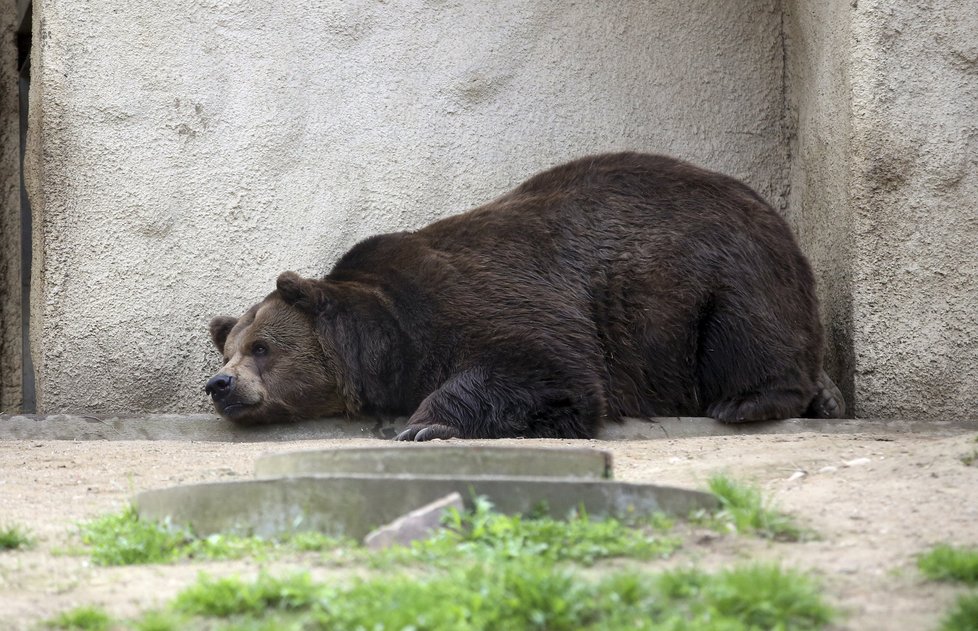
353 505
441 458
418 524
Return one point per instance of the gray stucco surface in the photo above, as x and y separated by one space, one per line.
915 203
884 193
182 154
185 153
818 110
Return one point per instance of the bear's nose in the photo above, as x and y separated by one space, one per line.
219 386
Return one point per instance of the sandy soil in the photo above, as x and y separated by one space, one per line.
875 501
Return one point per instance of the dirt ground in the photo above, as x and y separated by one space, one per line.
875 501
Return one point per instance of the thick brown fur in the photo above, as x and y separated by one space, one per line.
616 285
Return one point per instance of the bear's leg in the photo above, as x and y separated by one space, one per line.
478 403
753 367
763 405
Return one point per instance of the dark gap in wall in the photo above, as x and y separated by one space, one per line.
24 24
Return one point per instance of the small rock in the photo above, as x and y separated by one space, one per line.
417 524
797 475
857 462
828 469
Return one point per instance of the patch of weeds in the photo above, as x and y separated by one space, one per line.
485 534
954 564
15 538
964 615
160 621
758 596
743 510
231 596
529 593
313 542
949 563
125 539
84 618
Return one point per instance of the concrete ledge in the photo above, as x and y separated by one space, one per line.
440 458
353 505
206 427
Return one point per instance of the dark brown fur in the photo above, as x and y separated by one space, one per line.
616 285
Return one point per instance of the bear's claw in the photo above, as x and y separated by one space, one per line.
420 433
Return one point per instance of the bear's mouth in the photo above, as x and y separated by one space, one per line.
235 408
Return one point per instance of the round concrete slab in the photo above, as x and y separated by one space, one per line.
353 505
440 459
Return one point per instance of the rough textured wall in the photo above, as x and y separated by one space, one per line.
884 191
915 202
10 305
819 106
183 153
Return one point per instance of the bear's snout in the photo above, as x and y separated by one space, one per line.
219 386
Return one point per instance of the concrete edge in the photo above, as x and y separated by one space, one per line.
440 458
206 427
353 505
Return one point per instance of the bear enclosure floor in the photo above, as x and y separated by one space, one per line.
876 499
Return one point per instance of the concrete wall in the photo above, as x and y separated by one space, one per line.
819 120
184 153
10 304
915 199
884 183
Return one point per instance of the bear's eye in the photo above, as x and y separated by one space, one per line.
259 349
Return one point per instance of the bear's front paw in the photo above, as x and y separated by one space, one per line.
420 433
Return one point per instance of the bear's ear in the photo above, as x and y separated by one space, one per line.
302 293
220 327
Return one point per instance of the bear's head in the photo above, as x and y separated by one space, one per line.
277 366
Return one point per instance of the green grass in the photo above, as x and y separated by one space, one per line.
949 563
530 593
743 510
963 616
14 538
229 596
485 534
125 539
85 618
159 621
482 570
959 565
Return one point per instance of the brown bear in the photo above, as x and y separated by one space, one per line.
616 285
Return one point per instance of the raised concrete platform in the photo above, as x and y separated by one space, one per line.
353 505
453 458
350 491
206 427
